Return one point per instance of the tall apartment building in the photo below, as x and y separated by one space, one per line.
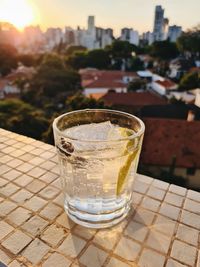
174 32
160 25
128 34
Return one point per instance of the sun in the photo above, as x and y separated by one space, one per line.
20 13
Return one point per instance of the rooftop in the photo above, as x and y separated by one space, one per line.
161 230
133 99
166 83
181 141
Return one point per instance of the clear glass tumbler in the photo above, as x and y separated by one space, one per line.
98 153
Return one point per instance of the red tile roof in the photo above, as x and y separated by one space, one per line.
92 78
165 138
166 83
133 99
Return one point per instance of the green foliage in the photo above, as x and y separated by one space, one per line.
74 49
20 117
52 80
136 64
190 81
135 85
26 60
164 50
121 49
190 41
8 58
97 58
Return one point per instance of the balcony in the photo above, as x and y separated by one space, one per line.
161 230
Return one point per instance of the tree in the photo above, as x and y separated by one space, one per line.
190 41
26 60
190 81
75 48
8 58
52 82
135 85
121 49
164 50
22 118
136 64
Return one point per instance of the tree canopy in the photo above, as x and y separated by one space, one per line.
164 50
8 58
190 81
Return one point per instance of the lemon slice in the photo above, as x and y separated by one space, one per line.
124 170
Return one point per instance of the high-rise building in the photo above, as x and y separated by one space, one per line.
148 37
91 24
130 35
165 29
174 32
158 23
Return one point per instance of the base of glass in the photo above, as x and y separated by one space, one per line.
97 221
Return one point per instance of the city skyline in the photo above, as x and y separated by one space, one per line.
129 13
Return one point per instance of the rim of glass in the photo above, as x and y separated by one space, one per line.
134 135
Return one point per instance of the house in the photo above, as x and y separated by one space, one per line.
8 89
186 97
101 81
132 101
176 142
162 86
196 93
179 66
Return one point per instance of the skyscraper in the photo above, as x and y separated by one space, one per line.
174 32
91 24
158 23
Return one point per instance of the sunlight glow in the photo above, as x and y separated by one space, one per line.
20 13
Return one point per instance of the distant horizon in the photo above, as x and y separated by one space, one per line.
114 14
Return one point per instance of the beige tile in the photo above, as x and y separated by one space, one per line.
114 262
4 257
28 148
47 155
8 150
5 158
35 186
169 211
55 170
149 258
192 206
136 198
19 216
35 225
21 196
193 195
174 199
12 174
37 151
4 168
57 183
158 241
51 211
84 232
187 234
177 190
25 167
6 207
136 231
59 200
127 249
49 192
9 189
53 235
48 177
143 178
23 180
140 187
93 256
56 260
183 252
72 246
35 251
36 161
144 216
173 263
5 229
35 203
150 204
190 219
14 163
107 238
26 157
65 221
48 165
16 242
160 184
36 172
17 152
164 225
156 193
3 182
15 263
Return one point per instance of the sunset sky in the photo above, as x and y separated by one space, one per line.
116 14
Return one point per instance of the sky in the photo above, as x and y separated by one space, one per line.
116 14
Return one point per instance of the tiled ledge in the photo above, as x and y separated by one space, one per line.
162 229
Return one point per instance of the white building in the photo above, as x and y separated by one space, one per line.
174 32
130 35
196 93
148 37
158 23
